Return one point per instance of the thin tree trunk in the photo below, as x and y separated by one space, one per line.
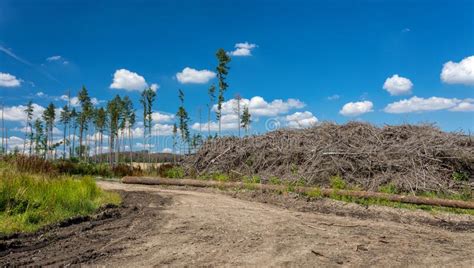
111 140
220 120
31 140
74 142
64 142
238 114
81 131
26 134
117 148
130 146
101 146
209 121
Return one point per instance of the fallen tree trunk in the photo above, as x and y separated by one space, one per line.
302 189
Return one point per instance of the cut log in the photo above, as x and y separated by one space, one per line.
410 199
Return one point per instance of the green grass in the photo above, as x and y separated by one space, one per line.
175 173
387 203
252 179
388 189
315 192
337 182
28 202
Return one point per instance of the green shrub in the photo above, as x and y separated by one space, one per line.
275 180
460 176
315 192
222 177
337 182
388 189
252 179
174 173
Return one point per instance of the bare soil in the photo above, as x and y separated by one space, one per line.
176 226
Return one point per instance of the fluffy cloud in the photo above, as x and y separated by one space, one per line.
228 122
56 131
258 106
8 80
75 100
127 80
397 85
416 104
464 106
459 73
193 76
158 117
156 130
17 113
154 87
356 108
243 49
40 94
301 120
16 142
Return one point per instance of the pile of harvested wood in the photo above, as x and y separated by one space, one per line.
414 158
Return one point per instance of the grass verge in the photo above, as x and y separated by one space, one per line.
383 202
338 183
28 202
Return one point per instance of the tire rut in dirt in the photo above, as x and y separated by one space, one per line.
86 239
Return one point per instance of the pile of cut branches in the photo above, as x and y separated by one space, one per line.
413 158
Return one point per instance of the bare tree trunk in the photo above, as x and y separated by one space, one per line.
74 142
209 121
26 134
111 140
130 138
117 149
64 142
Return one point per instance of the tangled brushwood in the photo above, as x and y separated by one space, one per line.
412 158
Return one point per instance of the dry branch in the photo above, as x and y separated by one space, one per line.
414 158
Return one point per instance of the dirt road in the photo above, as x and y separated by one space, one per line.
180 227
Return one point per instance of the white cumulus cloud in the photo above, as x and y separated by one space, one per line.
258 106
17 113
397 85
243 49
154 87
127 80
156 130
301 120
356 108
193 76
75 100
464 106
228 122
40 94
8 80
158 117
416 104
459 72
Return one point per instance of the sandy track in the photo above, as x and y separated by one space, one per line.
212 229
181 227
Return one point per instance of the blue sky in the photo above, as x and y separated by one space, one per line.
385 62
